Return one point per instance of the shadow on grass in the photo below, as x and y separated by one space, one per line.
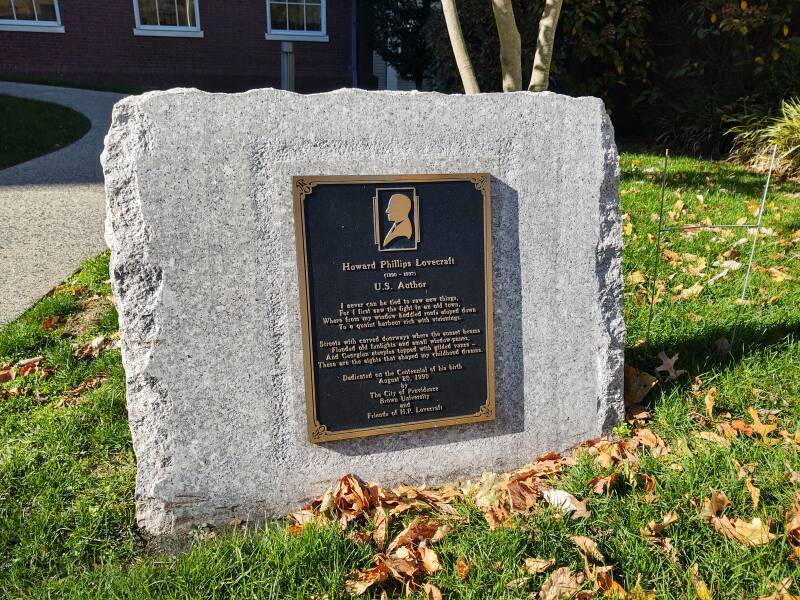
699 353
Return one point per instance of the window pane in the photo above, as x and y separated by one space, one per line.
296 17
24 10
167 14
5 10
312 2
186 13
147 12
46 10
277 15
313 18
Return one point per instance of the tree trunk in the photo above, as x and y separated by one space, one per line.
459 47
510 45
544 46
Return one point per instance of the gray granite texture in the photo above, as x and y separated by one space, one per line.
200 222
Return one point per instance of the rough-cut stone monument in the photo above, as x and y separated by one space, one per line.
201 223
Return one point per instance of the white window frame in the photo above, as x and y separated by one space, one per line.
167 30
33 26
288 35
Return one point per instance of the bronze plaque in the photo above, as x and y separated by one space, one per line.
396 302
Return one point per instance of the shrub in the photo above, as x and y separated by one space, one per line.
755 136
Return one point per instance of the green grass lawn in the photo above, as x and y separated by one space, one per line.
30 128
67 525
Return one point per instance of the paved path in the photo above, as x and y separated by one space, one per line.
52 207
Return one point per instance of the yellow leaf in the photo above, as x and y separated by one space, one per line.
709 402
755 493
710 436
691 292
785 30
700 587
754 532
743 4
760 428
627 229
713 17
653 528
636 277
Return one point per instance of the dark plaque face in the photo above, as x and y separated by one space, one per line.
396 292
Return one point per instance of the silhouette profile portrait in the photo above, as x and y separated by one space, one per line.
398 212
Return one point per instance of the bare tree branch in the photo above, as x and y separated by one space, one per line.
459 47
544 46
510 45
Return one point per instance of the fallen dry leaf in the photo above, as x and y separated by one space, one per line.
782 591
753 532
742 427
430 560
51 322
517 583
587 547
744 473
358 582
727 431
777 275
561 584
381 526
532 566
431 592
714 506
605 583
604 485
418 530
658 447
7 374
755 493
653 528
793 528
566 502
462 568
722 345
709 402
710 436
760 428
636 278
668 366
92 349
700 587
690 292
637 385
29 365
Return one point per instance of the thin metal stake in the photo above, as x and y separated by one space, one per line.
753 246
657 259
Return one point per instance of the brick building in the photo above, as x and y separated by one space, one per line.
217 45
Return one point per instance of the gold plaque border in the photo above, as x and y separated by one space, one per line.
303 186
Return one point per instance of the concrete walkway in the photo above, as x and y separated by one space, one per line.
52 208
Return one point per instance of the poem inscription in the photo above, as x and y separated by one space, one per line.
396 302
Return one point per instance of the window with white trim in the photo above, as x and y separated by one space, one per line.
166 16
296 18
30 13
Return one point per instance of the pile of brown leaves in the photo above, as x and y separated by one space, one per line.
409 557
